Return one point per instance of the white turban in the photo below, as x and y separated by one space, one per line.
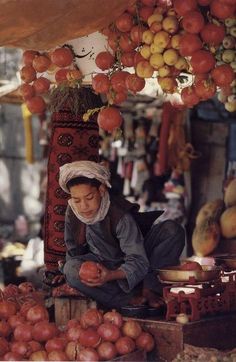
88 169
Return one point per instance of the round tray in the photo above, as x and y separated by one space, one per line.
173 274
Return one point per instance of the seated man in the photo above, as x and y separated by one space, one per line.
104 228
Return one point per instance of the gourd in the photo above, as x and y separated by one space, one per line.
212 209
228 222
206 237
230 194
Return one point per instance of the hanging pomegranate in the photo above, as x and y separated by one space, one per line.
41 85
27 73
101 83
109 119
62 57
41 63
124 22
27 91
61 75
118 81
104 60
134 83
36 104
28 56
223 75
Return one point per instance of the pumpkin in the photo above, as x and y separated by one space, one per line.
228 222
206 237
230 194
211 209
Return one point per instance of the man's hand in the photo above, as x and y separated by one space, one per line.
101 278
105 275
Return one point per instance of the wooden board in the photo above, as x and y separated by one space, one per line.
215 332
67 308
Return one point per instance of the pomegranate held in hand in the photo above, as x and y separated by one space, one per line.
88 270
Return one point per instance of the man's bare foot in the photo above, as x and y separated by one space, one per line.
154 300
138 300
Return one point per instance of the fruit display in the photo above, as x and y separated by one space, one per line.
188 47
41 71
26 332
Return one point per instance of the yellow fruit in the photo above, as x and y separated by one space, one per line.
156 60
181 63
211 210
147 37
167 84
161 39
230 194
230 106
164 71
205 238
145 51
175 40
144 69
154 48
228 222
228 55
171 12
154 17
170 56
170 24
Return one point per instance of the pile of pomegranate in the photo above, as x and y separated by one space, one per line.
27 334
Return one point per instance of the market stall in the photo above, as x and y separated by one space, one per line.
122 83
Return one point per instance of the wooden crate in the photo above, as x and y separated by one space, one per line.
67 308
213 332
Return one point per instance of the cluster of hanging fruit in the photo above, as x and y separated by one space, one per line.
188 46
42 69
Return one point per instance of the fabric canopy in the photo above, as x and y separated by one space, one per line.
45 24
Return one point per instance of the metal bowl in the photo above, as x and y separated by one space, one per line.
174 274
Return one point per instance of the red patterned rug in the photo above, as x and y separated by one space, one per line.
72 139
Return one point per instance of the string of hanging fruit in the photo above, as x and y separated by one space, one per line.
187 46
